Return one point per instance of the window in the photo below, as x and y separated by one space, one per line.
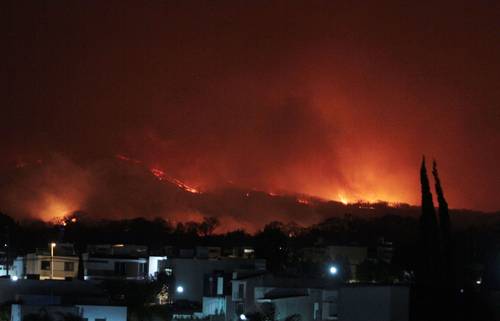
69 266
45 265
241 291
142 269
120 268
316 311
220 285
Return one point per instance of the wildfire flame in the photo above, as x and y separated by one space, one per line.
343 199
161 175
302 201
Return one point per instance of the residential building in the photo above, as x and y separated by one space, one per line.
156 264
311 299
352 255
58 262
385 250
115 261
284 298
348 256
192 275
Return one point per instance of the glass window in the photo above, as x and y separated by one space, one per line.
69 266
241 291
120 268
45 265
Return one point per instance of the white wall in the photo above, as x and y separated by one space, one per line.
110 313
15 312
34 261
214 305
155 263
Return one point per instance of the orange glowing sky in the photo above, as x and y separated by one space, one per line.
329 99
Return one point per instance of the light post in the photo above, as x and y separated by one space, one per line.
52 246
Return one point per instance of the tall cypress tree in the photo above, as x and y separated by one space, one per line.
429 232
428 267
445 229
444 217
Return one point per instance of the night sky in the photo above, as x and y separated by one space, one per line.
333 99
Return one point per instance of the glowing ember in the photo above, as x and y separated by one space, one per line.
128 159
302 201
160 174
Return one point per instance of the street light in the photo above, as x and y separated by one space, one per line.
52 246
243 317
180 289
333 270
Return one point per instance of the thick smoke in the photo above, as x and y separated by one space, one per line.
330 100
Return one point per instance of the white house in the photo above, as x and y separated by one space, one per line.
115 261
58 262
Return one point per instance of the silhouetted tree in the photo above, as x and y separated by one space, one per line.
429 234
444 217
427 273
208 226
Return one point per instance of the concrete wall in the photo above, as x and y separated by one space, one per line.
70 290
215 305
303 306
374 303
56 313
156 264
89 312
110 313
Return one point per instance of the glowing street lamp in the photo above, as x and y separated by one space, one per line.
180 289
243 317
333 270
52 246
